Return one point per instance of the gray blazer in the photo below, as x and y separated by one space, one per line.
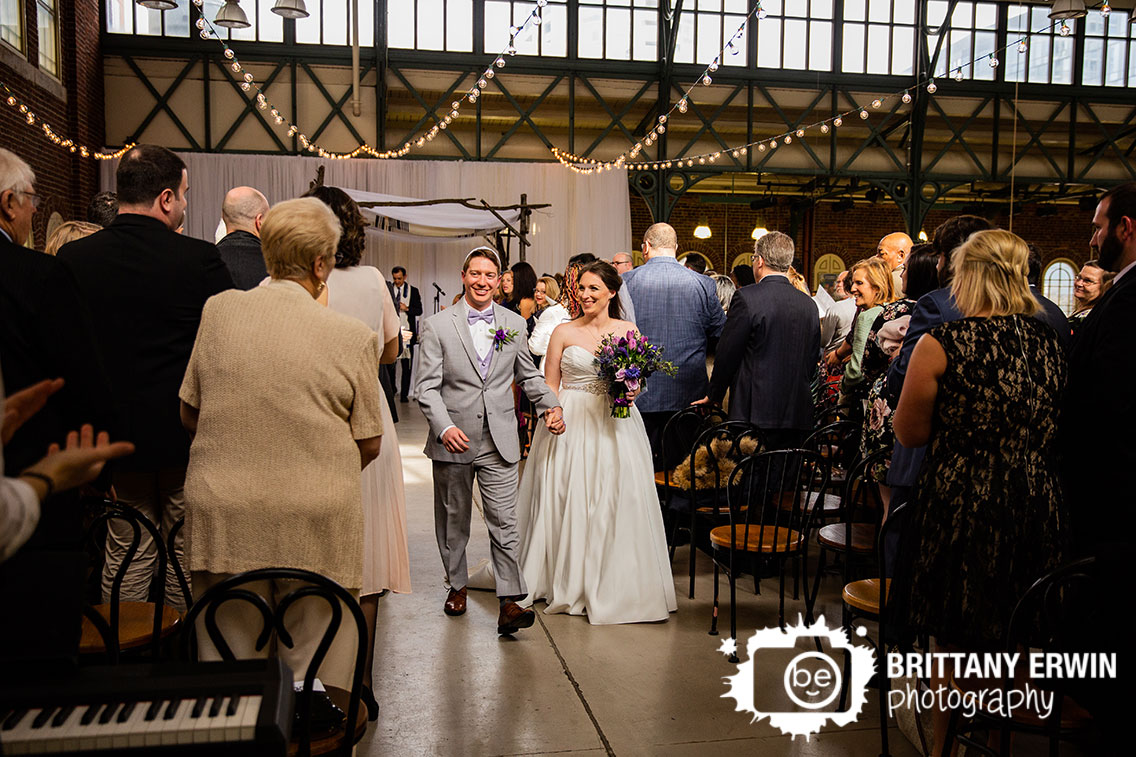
451 392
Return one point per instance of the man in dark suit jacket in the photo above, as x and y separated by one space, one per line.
45 333
146 286
406 300
243 212
769 349
1098 434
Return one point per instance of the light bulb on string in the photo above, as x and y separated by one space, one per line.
489 73
713 66
536 19
663 118
1105 8
957 76
993 62
863 115
788 140
761 147
838 122
500 62
706 80
1065 30
512 50
481 83
682 105
731 48
773 144
1022 46
877 102
906 98
824 128
229 53
932 87
200 23
800 133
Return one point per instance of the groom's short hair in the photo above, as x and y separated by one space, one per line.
482 252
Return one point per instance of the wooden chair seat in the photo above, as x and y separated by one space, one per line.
863 537
760 538
135 626
722 511
865 595
661 480
1073 716
326 743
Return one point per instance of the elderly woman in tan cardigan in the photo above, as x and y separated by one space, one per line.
281 397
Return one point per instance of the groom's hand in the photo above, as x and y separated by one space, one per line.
554 421
455 441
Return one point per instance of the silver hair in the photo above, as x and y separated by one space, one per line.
725 289
776 249
15 174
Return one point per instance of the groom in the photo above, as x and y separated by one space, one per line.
469 357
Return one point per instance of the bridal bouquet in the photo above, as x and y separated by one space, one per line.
625 363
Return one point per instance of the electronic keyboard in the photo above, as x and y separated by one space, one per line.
214 708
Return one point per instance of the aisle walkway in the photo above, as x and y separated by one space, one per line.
451 686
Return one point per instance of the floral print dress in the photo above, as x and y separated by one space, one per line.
877 432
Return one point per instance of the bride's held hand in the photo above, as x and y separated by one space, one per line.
554 421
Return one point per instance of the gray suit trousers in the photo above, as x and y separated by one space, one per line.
453 506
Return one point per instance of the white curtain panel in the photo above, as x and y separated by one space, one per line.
588 213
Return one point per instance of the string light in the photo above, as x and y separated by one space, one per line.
72 146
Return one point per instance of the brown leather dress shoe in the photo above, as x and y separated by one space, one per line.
513 618
455 603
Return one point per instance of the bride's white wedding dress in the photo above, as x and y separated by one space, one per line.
592 538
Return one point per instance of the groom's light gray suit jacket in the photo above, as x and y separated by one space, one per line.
451 392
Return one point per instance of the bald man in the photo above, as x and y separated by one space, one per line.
894 249
243 212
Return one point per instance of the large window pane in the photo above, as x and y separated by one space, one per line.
119 16
853 62
795 32
591 32
769 43
554 31
879 45
46 23
902 50
1114 69
709 37
336 19
820 46
1094 57
618 34
400 22
646 35
308 29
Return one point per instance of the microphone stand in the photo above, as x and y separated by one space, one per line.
438 293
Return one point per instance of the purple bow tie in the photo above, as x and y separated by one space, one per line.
485 316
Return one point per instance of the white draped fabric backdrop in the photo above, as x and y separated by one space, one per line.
588 213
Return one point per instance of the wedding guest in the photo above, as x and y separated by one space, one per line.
622 262
282 402
546 293
982 393
45 334
798 281
504 289
893 249
361 292
146 285
68 231
554 313
872 289
696 263
1088 286
725 289
660 289
102 209
523 299
743 275
243 212
840 287
920 276
768 352
408 303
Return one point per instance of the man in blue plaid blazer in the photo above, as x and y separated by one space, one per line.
678 310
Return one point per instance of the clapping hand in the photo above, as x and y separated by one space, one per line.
81 459
554 421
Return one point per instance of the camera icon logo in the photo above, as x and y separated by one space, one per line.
811 680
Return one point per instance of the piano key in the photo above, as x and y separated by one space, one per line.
234 716
13 718
201 726
91 712
18 739
154 709
63 714
182 723
126 711
108 712
154 727
250 717
199 707
135 726
215 708
41 719
67 733
172 709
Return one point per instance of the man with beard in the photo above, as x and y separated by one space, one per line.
1097 426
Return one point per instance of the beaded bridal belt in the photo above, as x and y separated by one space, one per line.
592 387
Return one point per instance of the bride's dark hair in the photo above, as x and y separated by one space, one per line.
611 279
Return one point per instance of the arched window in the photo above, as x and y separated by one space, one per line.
826 269
1057 283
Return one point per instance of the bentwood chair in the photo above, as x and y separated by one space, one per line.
1055 615
678 437
769 521
128 625
342 739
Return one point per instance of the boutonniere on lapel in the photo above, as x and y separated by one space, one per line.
501 337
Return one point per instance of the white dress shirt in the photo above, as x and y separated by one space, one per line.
19 507
481 333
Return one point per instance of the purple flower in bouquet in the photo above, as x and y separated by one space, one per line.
626 363
501 337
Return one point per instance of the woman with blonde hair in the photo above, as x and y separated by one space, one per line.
983 393
546 294
69 231
281 398
872 286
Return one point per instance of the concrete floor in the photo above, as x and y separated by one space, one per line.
451 686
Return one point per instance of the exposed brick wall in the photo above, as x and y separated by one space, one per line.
852 234
66 181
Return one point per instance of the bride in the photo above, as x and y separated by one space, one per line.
592 538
